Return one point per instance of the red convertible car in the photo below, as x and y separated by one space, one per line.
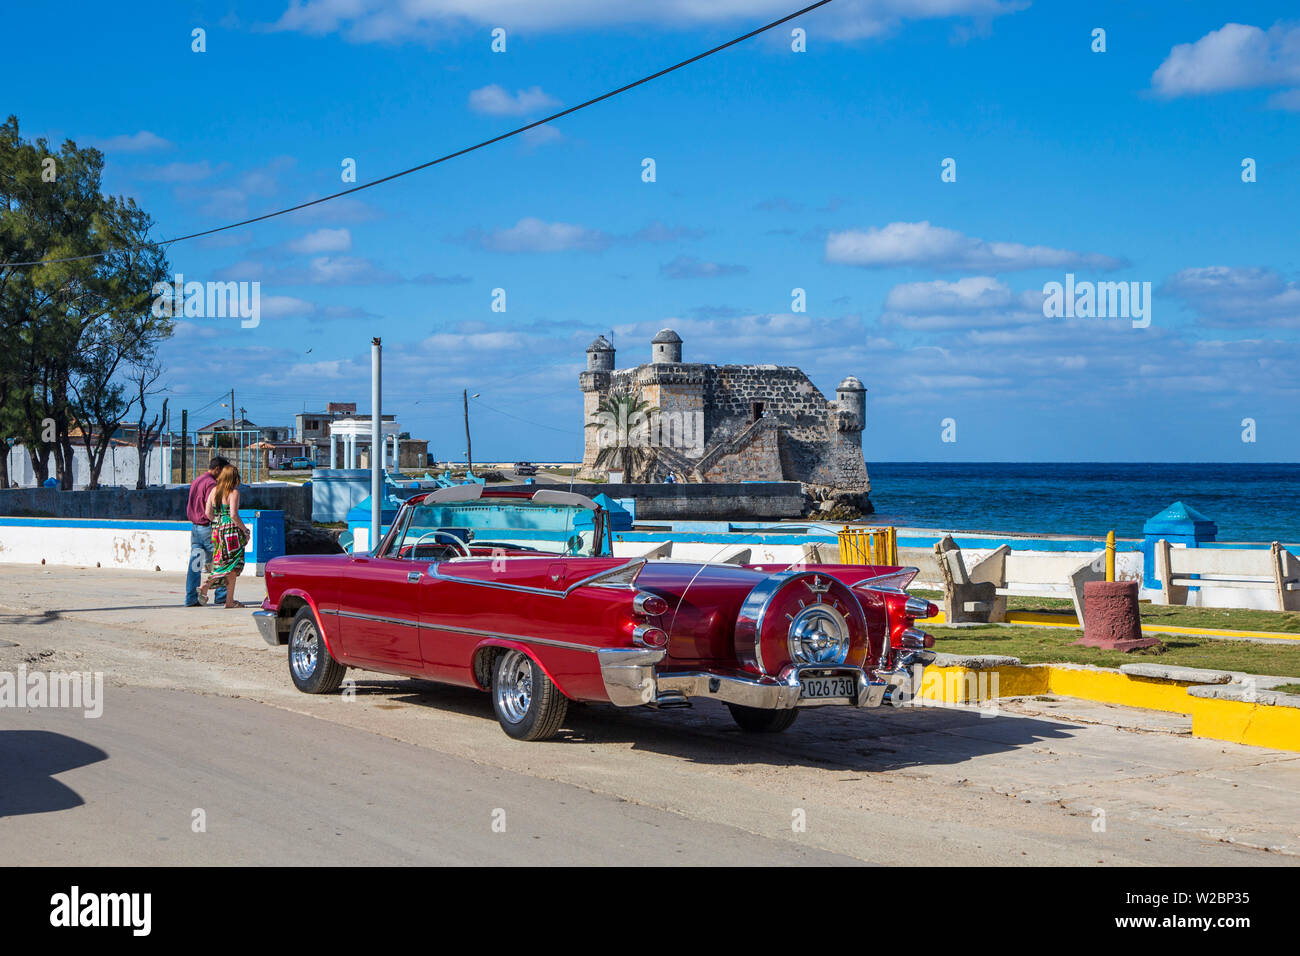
517 594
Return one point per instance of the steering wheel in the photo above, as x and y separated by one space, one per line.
457 543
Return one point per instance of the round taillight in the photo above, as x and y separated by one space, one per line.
649 605
655 637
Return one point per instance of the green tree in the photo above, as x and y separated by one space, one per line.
81 317
624 439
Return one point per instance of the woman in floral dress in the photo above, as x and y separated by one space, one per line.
229 534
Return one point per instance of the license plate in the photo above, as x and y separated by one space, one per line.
821 688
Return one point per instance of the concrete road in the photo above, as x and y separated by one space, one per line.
200 714
169 777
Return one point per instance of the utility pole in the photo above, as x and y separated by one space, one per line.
469 454
376 444
185 430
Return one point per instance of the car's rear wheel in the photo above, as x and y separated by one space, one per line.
757 720
527 704
313 669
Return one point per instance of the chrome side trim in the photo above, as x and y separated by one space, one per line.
623 576
381 618
472 631
521 638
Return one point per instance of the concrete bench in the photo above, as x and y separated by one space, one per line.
1181 569
970 593
1059 575
979 593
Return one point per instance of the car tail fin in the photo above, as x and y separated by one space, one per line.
897 579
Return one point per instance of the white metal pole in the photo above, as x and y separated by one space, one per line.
376 444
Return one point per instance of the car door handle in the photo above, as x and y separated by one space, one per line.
414 576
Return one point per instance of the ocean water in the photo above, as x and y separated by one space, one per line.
1248 502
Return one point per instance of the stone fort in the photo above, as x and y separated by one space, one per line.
723 423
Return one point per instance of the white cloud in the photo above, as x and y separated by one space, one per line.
535 235
1236 56
344 270
1237 297
234 199
320 270
176 172
285 306
540 136
495 100
141 142
397 21
1288 100
690 267
969 303
322 240
921 244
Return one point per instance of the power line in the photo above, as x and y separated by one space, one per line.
460 152
566 431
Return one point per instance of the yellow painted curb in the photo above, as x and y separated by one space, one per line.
1239 722
1042 620
1038 619
1216 632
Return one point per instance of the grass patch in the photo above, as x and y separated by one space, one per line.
1223 618
1042 645
1287 688
1235 619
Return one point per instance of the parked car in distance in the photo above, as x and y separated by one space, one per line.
301 462
525 468
518 593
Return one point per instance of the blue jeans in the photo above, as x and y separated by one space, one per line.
200 561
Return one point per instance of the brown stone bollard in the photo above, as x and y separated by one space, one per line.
1110 617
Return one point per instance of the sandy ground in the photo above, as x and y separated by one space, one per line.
200 714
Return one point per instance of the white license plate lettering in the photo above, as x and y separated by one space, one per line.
823 687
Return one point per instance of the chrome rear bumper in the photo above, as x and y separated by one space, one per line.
904 681
266 626
631 680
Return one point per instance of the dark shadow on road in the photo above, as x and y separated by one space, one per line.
29 760
834 738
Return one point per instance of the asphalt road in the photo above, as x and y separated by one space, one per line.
273 787
199 714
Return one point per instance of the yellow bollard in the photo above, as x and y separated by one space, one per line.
1110 555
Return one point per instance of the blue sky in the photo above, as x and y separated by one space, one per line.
774 170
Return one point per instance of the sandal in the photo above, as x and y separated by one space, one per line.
235 604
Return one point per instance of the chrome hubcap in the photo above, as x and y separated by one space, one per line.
304 650
514 686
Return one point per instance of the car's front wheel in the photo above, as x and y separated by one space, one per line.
312 667
527 704
757 720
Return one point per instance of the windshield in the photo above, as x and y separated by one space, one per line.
481 528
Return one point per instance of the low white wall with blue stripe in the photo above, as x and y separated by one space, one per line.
126 544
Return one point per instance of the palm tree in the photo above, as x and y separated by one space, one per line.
625 437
